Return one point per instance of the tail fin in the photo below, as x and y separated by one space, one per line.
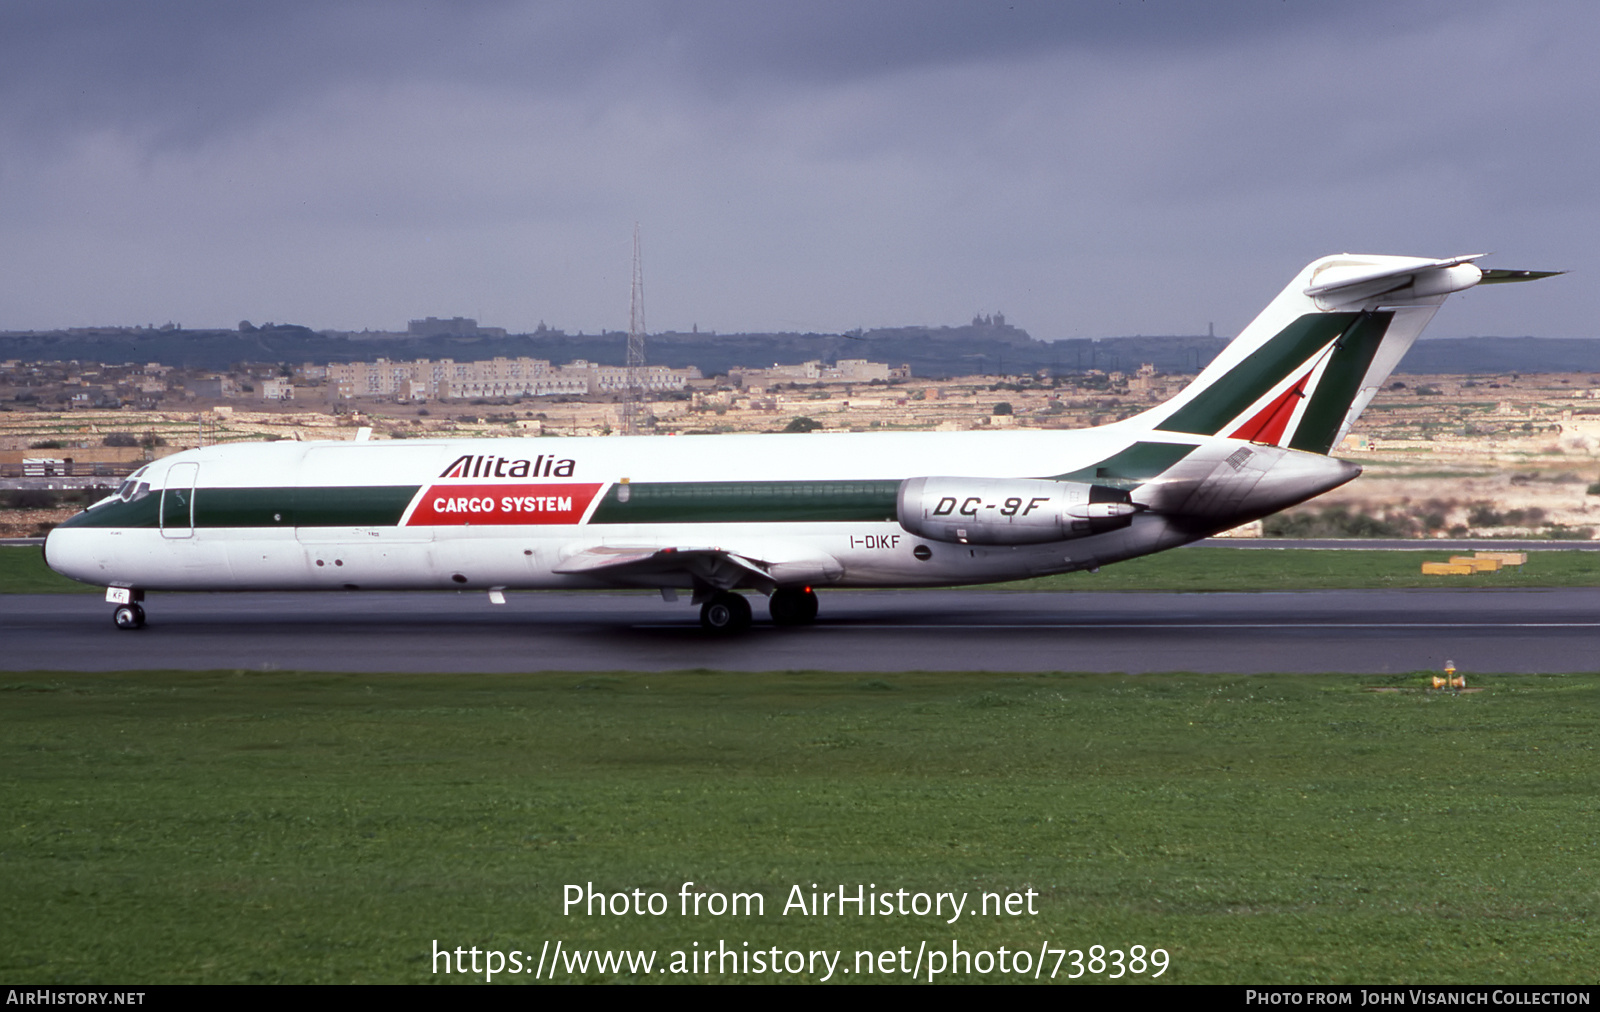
1303 371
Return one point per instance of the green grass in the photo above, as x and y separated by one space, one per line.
232 826
1239 569
22 571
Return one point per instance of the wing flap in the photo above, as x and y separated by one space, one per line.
700 566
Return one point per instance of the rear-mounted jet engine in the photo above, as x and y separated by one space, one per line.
1010 511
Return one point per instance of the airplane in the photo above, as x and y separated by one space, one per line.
780 514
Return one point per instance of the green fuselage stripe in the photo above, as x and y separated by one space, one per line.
346 506
1131 467
647 502
704 502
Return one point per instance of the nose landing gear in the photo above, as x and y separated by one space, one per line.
129 613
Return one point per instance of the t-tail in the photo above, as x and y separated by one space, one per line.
1302 372
1253 433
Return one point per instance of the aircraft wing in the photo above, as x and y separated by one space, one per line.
701 567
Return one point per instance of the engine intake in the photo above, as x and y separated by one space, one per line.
1010 511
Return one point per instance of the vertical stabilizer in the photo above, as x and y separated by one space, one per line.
1302 372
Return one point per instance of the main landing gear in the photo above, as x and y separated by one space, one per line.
128 616
725 612
793 606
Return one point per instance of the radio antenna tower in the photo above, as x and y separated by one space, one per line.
632 406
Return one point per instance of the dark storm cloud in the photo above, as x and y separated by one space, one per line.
186 69
1087 167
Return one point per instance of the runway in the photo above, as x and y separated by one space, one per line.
1364 632
1328 544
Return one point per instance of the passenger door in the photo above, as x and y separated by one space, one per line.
177 500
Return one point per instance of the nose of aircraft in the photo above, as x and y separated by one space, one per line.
70 552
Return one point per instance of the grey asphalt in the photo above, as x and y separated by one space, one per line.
1369 544
1365 632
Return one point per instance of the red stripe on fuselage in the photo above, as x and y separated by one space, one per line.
502 504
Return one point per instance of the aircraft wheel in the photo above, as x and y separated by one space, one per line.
811 606
793 606
726 612
128 616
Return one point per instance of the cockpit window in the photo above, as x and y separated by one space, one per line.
132 490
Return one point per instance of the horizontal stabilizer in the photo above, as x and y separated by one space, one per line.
1338 278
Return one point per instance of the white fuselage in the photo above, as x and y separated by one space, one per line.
514 511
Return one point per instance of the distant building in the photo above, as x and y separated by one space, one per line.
277 389
857 370
846 370
45 467
456 326
211 386
614 378
447 379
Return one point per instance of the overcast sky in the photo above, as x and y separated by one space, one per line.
1089 168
